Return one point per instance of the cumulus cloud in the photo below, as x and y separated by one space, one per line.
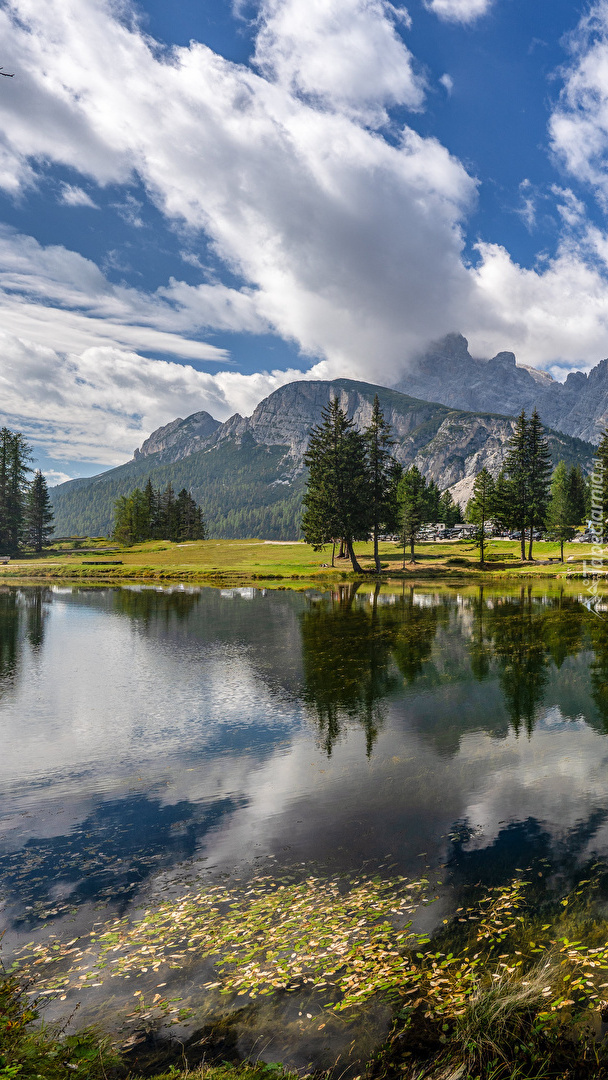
349 237
345 54
460 11
351 242
100 404
579 123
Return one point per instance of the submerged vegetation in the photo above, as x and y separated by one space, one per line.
513 985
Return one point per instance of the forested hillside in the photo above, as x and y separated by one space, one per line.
238 485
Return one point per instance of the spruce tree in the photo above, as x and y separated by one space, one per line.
560 510
576 494
502 503
383 475
517 473
413 507
480 508
336 501
38 513
539 474
14 457
449 511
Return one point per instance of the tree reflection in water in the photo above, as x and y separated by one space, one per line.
355 648
353 654
22 617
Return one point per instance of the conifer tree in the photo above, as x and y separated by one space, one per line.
383 476
560 510
413 508
539 474
576 494
336 503
14 457
517 473
449 511
433 501
38 513
479 508
502 503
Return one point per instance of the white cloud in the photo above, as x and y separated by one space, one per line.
54 477
73 195
462 11
579 124
448 83
51 294
345 54
350 241
100 404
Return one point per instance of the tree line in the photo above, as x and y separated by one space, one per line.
152 514
26 514
528 495
357 490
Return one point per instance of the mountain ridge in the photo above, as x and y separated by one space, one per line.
249 475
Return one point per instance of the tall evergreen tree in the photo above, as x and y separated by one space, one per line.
449 511
517 474
383 473
433 501
576 494
38 513
502 503
560 510
336 503
479 508
14 457
539 477
413 508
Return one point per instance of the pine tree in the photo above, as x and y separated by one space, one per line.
517 474
502 503
14 457
560 510
449 511
411 496
38 513
336 501
433 501
539 477
576 494
480 507
383 476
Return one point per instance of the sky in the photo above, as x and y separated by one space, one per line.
204 200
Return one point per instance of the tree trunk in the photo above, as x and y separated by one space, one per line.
523 545
561 549
342 553
353 558
481 546
376 555
333 551
530 543
412 556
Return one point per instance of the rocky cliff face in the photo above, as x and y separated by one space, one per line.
449 374
184 436
448 445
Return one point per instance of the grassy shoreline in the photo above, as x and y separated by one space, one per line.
278 564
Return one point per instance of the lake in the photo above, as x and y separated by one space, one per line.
156 738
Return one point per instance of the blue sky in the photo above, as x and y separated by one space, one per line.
203 200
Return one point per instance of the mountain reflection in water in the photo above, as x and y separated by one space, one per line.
149 734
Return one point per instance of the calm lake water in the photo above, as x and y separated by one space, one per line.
150 736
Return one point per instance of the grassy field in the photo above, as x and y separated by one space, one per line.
247 561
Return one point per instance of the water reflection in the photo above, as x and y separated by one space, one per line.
23 615
142 728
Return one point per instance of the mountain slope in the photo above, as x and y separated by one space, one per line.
448 373
248 473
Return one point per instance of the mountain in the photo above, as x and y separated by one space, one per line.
448 373
248 473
